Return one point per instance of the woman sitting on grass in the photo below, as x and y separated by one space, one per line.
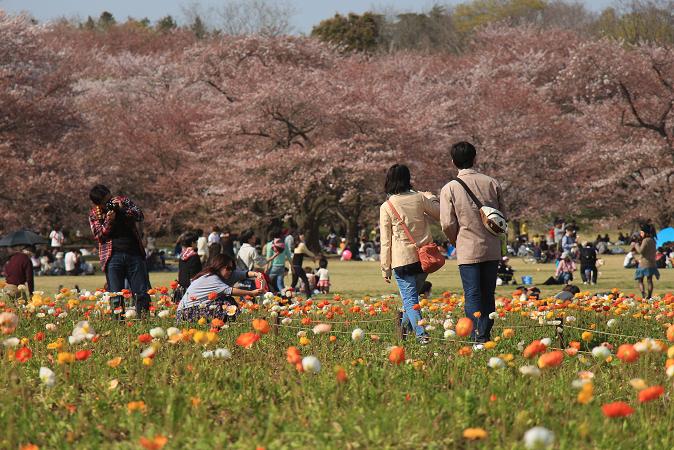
211 292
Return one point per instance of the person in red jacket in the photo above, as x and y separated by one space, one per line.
19 268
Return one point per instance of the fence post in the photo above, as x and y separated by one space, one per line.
399 327
277 322
560 333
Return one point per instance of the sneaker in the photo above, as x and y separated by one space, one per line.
584 282
423 339
478 347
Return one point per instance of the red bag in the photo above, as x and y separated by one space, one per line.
262 282
429 255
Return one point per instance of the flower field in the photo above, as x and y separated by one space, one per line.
332 372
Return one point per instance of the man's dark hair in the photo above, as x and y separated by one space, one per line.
98 193
398 179
463 155
246 235
189 239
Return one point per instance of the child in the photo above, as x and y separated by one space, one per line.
323 276
312 278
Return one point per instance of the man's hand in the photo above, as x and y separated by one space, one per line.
256 292
387 275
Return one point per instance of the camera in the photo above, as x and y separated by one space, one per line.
111 205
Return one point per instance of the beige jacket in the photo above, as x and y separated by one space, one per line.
417 209
647 249
461 221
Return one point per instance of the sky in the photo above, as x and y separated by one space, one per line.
307 12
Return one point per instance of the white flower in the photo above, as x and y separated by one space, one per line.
273 314
268 296
164 313
12 342
47 376
539 438
641 346
83 331
430 327
532 371
172 331
357 334
301 333
579 383
520 346
50 327
601 352
447 324
63 315
286 321
493 315
311 364
40 315
157 333
450 334
130 314
207 354
148 352
611 323
76 339
570 319
322 328
670 371
546 342
496 363
223 353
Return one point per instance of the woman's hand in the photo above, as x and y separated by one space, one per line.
387 275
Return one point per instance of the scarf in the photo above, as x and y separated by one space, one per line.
187 253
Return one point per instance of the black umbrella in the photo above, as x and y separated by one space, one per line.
22 237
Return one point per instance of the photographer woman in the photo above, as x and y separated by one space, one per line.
647 264
398 254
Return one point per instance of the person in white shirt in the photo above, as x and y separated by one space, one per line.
247 256
323 276
202 246
56 237
71 263
214 237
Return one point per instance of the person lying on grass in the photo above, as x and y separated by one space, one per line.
211 295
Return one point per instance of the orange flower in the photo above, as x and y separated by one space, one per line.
65 358
477 314
136 406
305 321
465 351
474 434
212 295
670 333
651 393
114 362
29 447
293 355
552 359
23 354
174 285
586 394
397 355
333 338
155 443
464 327
39 336
246 340
617 409
627 353
82 355
261 326
145 338
534 349
217 323
340 374
196 401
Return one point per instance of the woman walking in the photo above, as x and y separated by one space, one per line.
647 264
399 255
298 271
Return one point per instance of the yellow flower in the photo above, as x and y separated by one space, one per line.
585 395
56 345
200 337
489 345
474 434
586 336
147 361
201 321
114 362
508 333
305 340
65 358
211 337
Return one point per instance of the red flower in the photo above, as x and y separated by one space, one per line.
23 354
212 295
627 353
145 338
650 393
617 409
174 285
397 355
293 355
39 336
82 355
246 340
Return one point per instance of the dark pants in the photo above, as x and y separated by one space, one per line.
299 273
479 285
124 266
589 273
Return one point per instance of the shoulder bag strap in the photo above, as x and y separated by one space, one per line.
470 193
402 224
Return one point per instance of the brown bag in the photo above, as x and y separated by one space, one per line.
429 255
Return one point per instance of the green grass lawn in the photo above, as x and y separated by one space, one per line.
361 278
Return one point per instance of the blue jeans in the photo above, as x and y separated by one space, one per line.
479 285
127 267
276 274
565 278
409 286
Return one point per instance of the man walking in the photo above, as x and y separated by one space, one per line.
478 251
115 223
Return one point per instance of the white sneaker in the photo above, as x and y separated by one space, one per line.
584 282
478 347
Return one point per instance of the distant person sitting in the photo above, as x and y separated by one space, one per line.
19 268
564 271
505 272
